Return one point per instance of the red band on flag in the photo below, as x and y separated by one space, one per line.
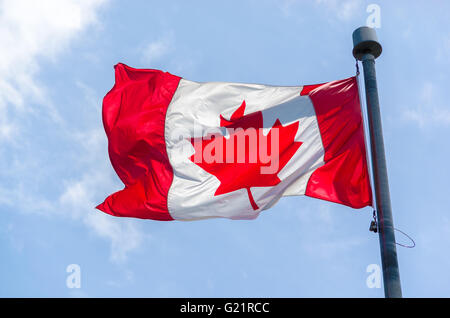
134 114
344 178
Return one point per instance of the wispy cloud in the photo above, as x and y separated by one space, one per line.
34 32
31 31
329 241
286 6
443 49
78 202
79 196
155 50
343 10
429 109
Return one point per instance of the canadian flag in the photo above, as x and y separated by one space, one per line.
187 150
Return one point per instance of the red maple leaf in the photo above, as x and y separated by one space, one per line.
240 165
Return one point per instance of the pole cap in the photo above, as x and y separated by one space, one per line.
365 41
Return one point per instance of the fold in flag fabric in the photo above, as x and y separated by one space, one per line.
187 150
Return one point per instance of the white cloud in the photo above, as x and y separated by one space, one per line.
344 10
79 198
78 202
123 234
330 241
286 6
443 49
155 50
16 241
429 110
32 32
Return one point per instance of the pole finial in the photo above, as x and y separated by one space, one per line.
365 41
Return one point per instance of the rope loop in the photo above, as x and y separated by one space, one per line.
409 237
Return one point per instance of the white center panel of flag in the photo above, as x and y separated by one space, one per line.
196 110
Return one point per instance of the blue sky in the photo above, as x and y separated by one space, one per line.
56 64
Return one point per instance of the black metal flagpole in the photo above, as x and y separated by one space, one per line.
366 48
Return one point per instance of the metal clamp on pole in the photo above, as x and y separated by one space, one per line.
366 48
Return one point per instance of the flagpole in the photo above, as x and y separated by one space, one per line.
366 48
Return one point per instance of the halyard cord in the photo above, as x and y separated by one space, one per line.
366 140
373 199
402 245
399 244
366 143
